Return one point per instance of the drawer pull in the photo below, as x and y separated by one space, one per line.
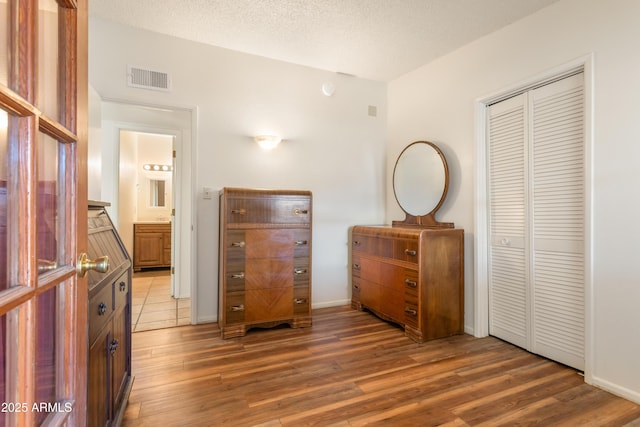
411 283
356 266
299 270
123 286
237 307
356 243
237 244
300 300
300 242
102 308
410 252
113 346
300 211
239 211
237 276
356 286
410 311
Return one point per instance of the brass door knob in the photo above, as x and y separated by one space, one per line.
100 265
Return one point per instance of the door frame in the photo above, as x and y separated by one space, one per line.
481 243
185 219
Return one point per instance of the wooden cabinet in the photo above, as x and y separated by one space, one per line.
411 276
265 259
151 245
109 373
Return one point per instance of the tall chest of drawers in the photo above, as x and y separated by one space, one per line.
411 276
265 259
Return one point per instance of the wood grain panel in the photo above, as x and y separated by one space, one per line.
269 273
269 243
273 304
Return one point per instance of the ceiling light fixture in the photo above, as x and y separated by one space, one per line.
267 142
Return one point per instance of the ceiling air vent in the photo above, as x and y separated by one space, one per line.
148 79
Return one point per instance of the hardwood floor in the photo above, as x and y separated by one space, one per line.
352 369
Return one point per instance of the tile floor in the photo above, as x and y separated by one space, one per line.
152 306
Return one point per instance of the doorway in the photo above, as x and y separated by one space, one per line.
174 124
146 200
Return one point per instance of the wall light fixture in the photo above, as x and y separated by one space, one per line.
157 168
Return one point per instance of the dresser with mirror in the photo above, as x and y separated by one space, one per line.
412 272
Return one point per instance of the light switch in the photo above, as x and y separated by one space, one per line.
207 193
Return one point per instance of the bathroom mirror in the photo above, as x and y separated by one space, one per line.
157 193
420 184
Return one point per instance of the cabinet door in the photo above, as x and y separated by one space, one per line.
149 249
166 253
118 352
98 407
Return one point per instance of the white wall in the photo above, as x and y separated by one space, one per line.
331 146
94 158
437 102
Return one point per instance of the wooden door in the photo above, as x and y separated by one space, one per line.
43 228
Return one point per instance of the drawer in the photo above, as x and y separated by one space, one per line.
273 210
355 266
301 299
153 228
235 245
386 275
235 308
301 243
411 282
411 313
291 210
100 309
268 273
406 250
268 304
383 299
235 277
355 289
269 243
121 291
372 245
301 271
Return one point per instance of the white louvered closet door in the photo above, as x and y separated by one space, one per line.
537 220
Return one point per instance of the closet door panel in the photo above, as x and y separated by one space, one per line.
508 220
558 208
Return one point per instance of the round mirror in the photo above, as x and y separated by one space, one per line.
420 182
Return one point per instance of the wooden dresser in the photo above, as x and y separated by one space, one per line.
411 276
109 375
265 259
151 245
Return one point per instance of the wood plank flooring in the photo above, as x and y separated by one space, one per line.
352 369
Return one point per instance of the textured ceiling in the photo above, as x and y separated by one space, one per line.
373 39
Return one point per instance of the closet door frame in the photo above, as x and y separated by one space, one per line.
481 245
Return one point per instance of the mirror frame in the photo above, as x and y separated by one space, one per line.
428 220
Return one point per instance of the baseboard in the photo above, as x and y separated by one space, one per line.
616 389
336 303
207 319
